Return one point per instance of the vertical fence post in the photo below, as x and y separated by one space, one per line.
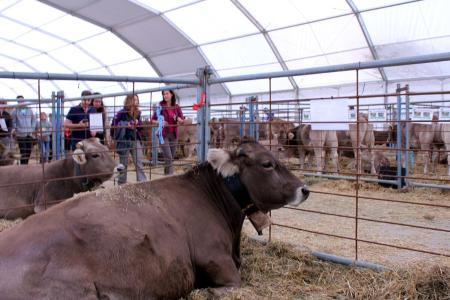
154 146
399 138
203 132
54 126
241 120
407 128
253 108
59 115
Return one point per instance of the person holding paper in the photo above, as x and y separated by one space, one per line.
5 125
127 132
173 116
101 133
24 125
43 132
77 120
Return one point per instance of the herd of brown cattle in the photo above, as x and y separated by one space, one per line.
426 140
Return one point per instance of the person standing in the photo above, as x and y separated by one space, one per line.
77 120
24 124
127 132
43 132
173 116
97 104
6 125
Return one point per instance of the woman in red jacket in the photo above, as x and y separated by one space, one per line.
173 116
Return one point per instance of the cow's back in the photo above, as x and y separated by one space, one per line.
148 244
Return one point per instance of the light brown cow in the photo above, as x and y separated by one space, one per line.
155 240
429 137
319 142
187 138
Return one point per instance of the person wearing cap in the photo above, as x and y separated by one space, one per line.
24 124
77 120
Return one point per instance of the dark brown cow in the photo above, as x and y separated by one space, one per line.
23 192
225 132
152 240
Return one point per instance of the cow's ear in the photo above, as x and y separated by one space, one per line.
79 157
221 161
291 136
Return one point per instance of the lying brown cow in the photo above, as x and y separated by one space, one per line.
24 192
152 240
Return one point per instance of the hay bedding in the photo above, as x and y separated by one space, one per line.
278 271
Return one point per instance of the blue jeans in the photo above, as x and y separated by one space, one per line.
44 147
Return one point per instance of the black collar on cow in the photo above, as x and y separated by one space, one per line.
240 193
86 182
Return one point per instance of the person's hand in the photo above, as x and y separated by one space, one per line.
13 132
84 123
166 123
180 121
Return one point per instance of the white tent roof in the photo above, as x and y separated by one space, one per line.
172 38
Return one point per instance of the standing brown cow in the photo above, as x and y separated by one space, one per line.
153 240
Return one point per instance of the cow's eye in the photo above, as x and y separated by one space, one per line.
96 155
267 165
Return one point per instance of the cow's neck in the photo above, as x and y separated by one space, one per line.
240 194
222 199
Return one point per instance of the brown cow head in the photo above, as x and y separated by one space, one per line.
270 184
95 161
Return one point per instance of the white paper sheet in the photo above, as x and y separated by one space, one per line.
3 125
422 115
378 117
328 111
96 122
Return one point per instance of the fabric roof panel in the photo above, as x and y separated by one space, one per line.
223 20
109 49
140 67
237 53
364 4
10 30
163 5
44 63
32 13
258 86
318 38
417 20
276 14
82 61
72 28
41 41
166 38
18 51
12 65
179 63
111 13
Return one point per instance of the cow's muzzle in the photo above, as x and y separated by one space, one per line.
118 169
301 195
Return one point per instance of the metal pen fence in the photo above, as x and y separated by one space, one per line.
248 117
